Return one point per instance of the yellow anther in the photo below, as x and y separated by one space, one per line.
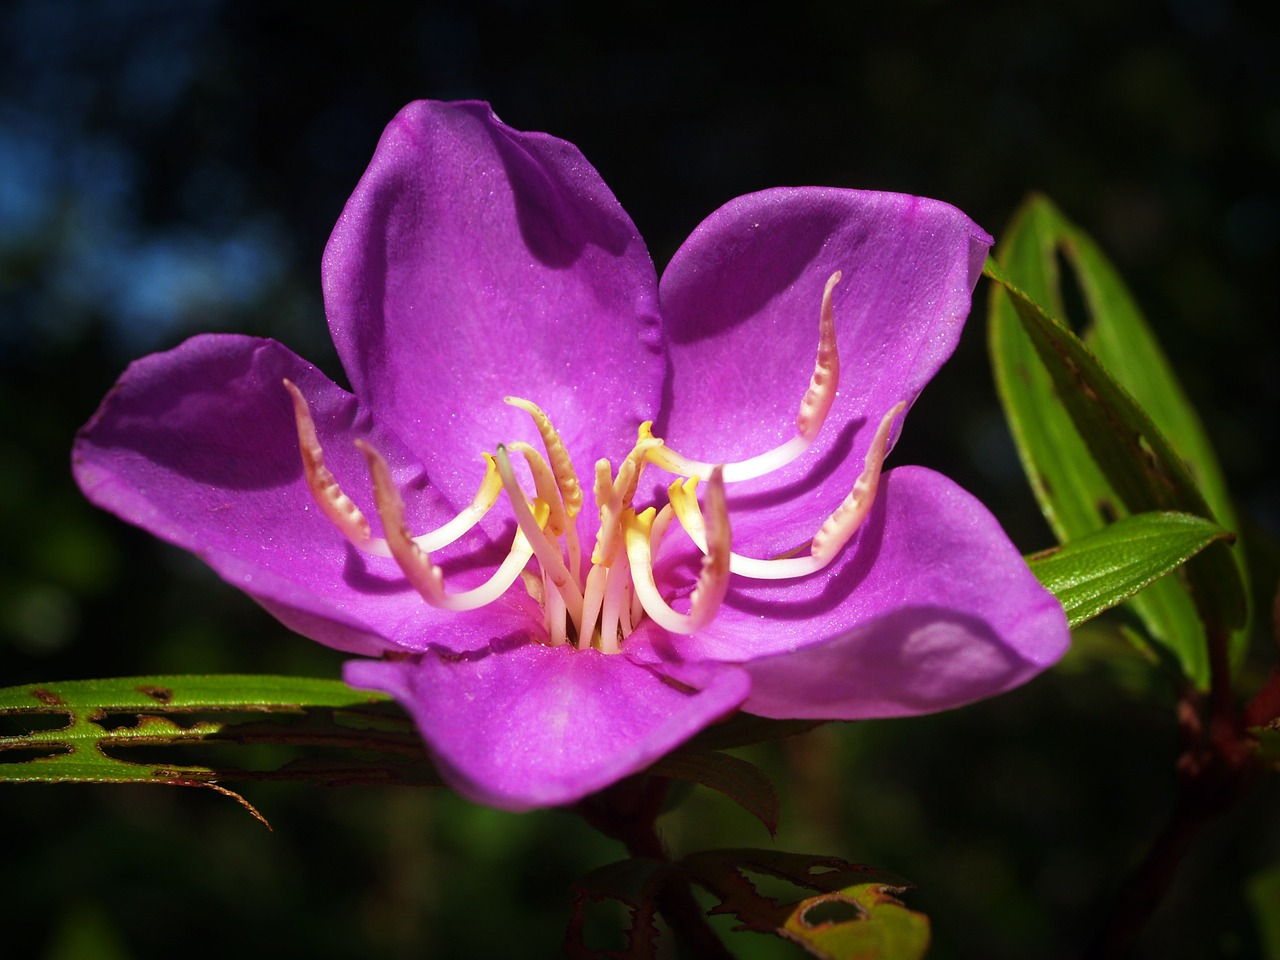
603 490
683 496
615 497
561 463
486 496
632 467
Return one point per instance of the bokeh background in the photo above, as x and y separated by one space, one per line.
174 167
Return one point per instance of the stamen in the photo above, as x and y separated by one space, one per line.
566 479
831 537
545 484
485 497
561 463
613 497
415 563
713 581
610 506
557 615
592 602
843 524
601 606
347 517
615 596
548 553
826 370
814 407
325 490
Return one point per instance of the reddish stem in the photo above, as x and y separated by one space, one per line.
628 812
1214 770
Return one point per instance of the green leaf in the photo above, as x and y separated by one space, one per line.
634 884
854 913
1100 570
84 731
742 782
1091 452
1122 339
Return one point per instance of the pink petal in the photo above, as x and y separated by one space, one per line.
740 303
522 725
198 446
474 262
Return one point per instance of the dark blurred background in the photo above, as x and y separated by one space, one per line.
174 167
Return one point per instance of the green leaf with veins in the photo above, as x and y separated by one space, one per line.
138 729
1097 571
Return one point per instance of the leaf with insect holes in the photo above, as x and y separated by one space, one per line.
137 729
634 884
853 914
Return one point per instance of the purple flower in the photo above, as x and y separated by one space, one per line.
476 264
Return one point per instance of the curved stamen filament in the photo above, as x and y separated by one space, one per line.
485 497
814 407
831 537
600 606
325 490
544 482
566 479
615 596
548 553
561 462
713 581
347 517
415 563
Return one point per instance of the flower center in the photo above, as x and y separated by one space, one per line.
601 605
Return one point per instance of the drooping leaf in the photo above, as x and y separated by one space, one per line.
741 781
135 730
1096 572
1091 452
854 911
634 884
